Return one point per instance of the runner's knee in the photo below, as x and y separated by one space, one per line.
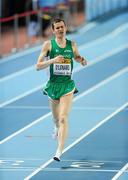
63 119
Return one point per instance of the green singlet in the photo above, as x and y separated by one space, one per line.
60 82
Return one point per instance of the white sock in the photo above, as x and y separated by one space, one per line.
55 133
58 153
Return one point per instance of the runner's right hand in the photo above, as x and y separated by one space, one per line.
59 59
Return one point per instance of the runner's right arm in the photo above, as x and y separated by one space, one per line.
41 63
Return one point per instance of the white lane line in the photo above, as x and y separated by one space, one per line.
18 73
124 169
21 96
21 159
99 40
96 60
84 29
20 54
27 168
103 56
87 27
75 99
26 127
73 108
78 140
111 35
125 70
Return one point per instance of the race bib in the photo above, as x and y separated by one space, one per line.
62 68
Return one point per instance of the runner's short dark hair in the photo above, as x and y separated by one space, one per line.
56 21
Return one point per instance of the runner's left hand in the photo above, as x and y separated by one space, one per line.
81 60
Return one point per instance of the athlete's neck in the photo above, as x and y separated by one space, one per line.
61 42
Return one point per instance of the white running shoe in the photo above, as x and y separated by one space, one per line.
55 133
57 155
56 158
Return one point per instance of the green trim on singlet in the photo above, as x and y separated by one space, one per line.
59 85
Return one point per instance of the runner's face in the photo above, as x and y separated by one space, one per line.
59 29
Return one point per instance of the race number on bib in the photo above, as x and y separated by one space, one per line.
62 69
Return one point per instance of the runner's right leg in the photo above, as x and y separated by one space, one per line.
55 113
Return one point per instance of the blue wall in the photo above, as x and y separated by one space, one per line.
96 8
47 3
50 3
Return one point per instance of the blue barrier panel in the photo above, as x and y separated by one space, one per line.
50 3
96 8
47 3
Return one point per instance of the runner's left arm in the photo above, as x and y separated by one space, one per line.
77 56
